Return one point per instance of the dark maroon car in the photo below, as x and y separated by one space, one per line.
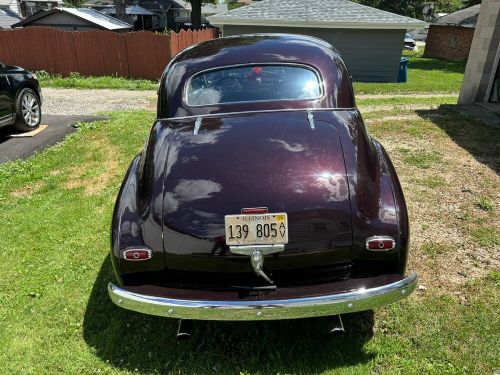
259 194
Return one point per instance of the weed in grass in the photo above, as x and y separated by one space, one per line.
422 160
425 226
432 182
486 236
494 276
485 204
465 216
434 249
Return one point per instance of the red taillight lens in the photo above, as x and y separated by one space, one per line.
137 254
254 210
380 243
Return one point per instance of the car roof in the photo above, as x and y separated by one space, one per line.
255 49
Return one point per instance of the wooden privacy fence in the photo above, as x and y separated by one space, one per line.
96 53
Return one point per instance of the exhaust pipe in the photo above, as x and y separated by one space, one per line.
337 327
184 329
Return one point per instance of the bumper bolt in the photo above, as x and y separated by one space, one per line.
170 311
403 292
259 313
349 305
120 301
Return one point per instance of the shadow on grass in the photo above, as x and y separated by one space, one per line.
437 64
481 140
129 340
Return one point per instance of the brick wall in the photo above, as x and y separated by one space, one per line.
449 42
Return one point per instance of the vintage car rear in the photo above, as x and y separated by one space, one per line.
259 194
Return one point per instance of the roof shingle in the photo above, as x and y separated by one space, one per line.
314 13
465 17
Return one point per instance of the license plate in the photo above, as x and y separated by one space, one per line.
258 229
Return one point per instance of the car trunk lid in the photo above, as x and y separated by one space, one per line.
285 161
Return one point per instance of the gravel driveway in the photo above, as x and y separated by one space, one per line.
88 102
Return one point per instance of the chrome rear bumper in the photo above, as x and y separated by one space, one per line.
324 305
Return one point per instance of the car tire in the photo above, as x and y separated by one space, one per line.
28 110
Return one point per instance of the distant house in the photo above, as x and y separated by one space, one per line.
450 36
8 18
9 13
369 39
12 5
166 14
139 17
28 7
78 19
183 17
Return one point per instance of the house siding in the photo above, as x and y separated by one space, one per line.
370 55
449 42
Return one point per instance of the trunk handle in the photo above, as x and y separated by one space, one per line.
310 117
197 125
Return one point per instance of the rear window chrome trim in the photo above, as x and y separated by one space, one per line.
223 67
219 114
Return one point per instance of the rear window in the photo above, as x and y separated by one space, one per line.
253 83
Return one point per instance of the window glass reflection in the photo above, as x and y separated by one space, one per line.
253 83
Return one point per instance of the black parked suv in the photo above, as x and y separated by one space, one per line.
20 98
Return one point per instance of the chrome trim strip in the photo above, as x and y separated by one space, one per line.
7 119
257 111
224 67
325 305
248 249
380 238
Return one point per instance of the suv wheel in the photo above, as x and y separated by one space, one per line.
28 111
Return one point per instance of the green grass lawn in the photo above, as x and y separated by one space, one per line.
424 75
56 317
75 80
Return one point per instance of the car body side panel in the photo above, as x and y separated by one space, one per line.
377 203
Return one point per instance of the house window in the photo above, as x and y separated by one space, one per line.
453 41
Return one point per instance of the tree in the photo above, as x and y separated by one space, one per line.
419 8
120 10
469 3
73 3
196 11
233 4
447 6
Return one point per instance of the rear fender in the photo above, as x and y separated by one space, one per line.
137 215
377 202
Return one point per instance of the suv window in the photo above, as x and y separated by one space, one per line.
252 83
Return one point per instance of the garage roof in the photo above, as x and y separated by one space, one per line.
92 16
466 17
315 13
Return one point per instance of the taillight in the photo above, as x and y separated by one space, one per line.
380 243
137 254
